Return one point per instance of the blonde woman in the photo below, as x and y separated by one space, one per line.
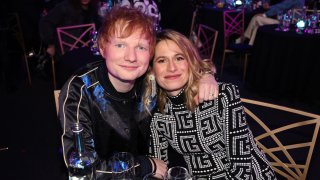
213 137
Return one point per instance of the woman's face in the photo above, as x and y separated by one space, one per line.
170 67
126 58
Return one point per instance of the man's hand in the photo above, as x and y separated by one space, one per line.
161 168
208 88
51 50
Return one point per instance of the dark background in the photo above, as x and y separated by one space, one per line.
28 123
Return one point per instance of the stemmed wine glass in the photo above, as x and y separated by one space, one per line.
178 173
123 166
153 176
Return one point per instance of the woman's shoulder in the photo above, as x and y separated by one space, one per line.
227 86
228 90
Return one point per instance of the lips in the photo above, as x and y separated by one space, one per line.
129 67
171 77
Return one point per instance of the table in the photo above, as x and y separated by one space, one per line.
285 64
212 16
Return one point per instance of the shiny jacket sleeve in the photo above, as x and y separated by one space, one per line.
284 6
74 107
237 135
76 104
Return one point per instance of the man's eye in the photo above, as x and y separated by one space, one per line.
119 45
143 48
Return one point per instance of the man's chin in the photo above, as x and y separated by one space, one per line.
130 79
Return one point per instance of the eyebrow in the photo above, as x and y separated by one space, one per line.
160 57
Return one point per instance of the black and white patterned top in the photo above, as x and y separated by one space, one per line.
215 140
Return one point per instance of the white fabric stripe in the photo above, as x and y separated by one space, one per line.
88 72
93 84
79 103
64 121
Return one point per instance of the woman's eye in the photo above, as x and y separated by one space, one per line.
180 58
160 61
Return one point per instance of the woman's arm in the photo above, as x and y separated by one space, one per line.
158 150
236 133
158 147
208 86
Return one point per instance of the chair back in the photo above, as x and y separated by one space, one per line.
206 41
287 136
56 94
233 25
299 12
13 24
72 37
193 22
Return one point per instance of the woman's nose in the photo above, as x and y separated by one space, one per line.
172 66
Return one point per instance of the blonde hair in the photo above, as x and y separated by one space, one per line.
196 67
126 20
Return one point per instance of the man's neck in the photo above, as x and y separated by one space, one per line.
85 7
121 86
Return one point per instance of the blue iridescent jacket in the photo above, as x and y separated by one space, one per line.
112 121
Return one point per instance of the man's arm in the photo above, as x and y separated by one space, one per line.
284 6
73 109
208 86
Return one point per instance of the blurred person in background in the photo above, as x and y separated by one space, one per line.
66 13
267 18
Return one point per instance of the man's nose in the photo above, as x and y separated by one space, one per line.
131 55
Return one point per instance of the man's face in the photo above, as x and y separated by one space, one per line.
126 58
85 2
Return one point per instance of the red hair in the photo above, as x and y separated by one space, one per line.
123 21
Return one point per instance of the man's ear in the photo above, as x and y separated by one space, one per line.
101 51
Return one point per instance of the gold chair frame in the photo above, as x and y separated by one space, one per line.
14 27
207 37
291 170
233 24
56 94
